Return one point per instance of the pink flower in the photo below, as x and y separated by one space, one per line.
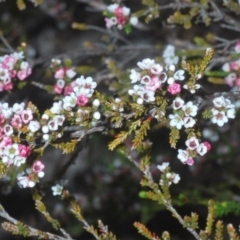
26 116
8 86
57 89
5 141
2 119
154 84
16 121
13 73
82 100
24 151
9 62
174 88
38 166
68 89
60 73
23 74
237 47
208 145
189 162
230 79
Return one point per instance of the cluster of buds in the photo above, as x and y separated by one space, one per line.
119 16
169 177
183 114
233 70
63 75
194 149
151 78
223 109
13 67
31 176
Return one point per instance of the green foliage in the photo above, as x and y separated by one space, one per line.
174 137
142 229
67 147
40 206
226 207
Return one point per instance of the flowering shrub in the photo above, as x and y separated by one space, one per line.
165 92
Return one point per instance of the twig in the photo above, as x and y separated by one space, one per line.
5 42
33 231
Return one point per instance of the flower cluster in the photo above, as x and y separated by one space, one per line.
63 75
79 92
233 70
171 177
194 148
152 77
31 176
119 16
223 109
183 114
13 67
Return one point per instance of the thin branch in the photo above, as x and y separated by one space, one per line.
33 231
5 42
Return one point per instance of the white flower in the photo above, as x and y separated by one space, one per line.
179 75
189 122
219 117
60 83
163 166
146 63
226 67
112 7
183 155
178 103
11 150
33 126
8 129
97 115
171 59
69 102
70 73
170 80
135 76
53 125
4 75
23 181
146 80
45 129
202 149
46 137
96 103
231 113
126 11
59 119
190 109
147 96
56 108
192 143
176 121
219 102
156 69
133 20
57 189
176 178
24 65
171 68
140 101
169 51
18 108
19 160
5 110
